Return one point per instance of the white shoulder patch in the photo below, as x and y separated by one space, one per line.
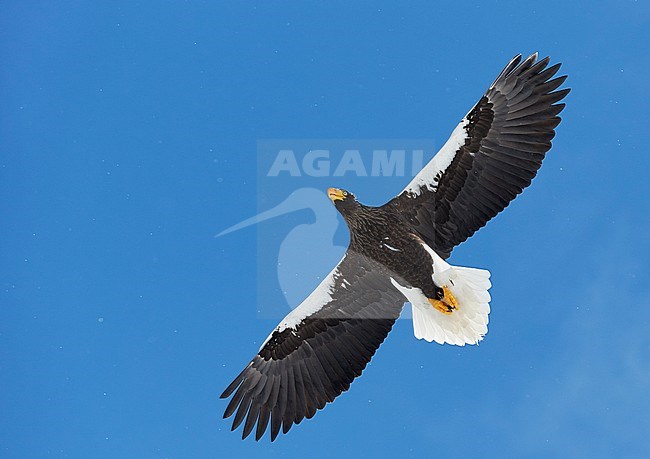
321 296
430 175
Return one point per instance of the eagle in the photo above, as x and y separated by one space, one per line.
397 254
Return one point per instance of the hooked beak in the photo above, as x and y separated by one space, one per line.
335 194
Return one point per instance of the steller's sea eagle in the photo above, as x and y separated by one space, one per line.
397 254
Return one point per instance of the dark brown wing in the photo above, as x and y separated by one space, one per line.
315 353
492 155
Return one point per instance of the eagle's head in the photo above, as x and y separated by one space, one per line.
344 201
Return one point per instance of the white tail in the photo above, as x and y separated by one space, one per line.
465 325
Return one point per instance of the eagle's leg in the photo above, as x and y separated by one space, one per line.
445 301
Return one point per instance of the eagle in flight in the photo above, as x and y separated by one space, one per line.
397 254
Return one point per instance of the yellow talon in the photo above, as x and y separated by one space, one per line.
449 298
440 306
447 304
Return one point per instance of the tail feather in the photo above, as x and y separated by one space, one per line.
467 324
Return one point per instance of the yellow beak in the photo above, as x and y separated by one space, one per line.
335 194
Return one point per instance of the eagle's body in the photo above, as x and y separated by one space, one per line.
385 236
397 254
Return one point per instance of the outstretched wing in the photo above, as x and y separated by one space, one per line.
491 156
317 350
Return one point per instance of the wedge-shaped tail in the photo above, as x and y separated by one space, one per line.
467 324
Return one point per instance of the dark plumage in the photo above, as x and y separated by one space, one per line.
509 132
386 236
396 254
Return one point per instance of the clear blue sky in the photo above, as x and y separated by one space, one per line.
128 139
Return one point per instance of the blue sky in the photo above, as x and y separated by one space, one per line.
129 138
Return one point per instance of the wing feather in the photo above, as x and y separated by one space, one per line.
492 155
316 352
